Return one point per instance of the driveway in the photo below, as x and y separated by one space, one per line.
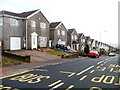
36 56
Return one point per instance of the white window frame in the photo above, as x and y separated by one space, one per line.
75 37
83 40
63 32
33 23
63 43
72 36
42 39
42 25
14 22
1 21
89 42
58 32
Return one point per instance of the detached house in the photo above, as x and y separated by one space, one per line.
73 39
27 30
93 44
88 41
58 34
81 40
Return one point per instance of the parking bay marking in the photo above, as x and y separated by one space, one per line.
85 70
98 67
54 83
102 69
71 86
71 73
57 86
92 71
83 78
39 70
101 64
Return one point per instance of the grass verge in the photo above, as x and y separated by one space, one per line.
8 61
55 52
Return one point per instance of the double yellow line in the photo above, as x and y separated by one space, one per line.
15 74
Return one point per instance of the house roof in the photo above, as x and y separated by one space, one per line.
54 24
74 42
24 14
92 40
88 37
70 31
10 13
80 35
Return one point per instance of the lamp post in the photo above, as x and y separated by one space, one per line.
101 38
101 35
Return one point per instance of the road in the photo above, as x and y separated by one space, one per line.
90 74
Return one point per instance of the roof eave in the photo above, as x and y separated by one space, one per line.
32 14
58 25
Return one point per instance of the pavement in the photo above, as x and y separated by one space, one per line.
26 66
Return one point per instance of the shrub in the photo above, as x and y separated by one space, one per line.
86 49
102 52
81 53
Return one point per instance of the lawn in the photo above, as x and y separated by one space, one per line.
55 52
8 62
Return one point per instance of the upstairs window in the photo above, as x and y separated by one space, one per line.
14 22
58 32
82 40
33 23
43 25
63 32
1 21
89 42
72 37
75 37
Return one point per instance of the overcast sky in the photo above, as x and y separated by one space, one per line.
90 17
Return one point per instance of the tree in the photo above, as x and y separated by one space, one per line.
86 49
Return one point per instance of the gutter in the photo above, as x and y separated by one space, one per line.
26 34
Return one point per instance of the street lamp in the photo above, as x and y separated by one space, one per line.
101 35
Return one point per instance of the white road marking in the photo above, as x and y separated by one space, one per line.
100 62
106 59
57 86
85 70
54 83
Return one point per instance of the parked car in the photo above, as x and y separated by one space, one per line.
112 54
69 50
93 53
60 46
64 48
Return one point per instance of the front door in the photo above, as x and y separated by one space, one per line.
34 40
50 43
59 41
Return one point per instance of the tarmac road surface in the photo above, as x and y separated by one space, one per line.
88 74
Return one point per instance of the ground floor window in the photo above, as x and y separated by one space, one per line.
42 41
